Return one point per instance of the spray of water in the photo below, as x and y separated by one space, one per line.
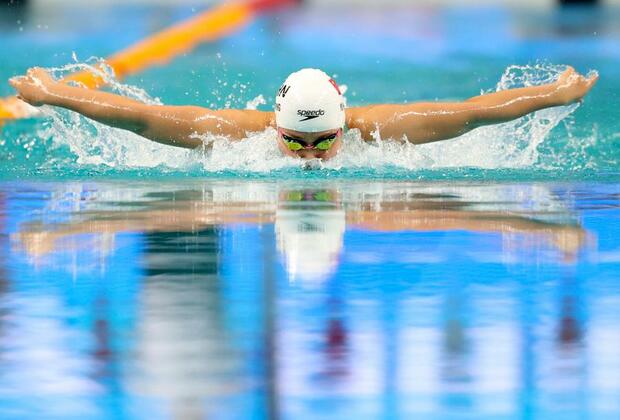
515 144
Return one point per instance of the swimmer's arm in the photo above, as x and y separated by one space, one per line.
434 121
567 238
172 125
38 239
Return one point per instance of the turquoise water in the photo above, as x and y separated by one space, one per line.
476 278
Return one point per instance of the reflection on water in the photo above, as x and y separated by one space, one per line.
223 299
182 349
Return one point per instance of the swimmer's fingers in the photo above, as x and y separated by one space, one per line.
570 76
33 76
585 84
592 80
29 90
40 74
566 75
17 81
572 86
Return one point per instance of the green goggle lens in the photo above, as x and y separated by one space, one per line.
294 145
326 144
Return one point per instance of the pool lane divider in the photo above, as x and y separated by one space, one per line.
163 46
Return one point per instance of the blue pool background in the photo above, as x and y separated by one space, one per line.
198 318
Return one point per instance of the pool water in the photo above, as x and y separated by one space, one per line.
474 278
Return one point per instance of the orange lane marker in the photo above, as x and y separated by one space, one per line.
161 47
12 108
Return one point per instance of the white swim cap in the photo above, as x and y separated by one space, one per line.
309 101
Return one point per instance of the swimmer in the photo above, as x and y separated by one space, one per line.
310 114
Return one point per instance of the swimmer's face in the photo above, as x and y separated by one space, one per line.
308 140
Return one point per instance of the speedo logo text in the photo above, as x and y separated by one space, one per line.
309 114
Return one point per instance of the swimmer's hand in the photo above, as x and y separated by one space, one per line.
35 87
572 86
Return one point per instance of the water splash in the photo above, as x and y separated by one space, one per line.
515 144
96 144
256 102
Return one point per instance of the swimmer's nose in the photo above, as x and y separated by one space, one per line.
307 153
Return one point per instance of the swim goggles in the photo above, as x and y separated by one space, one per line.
322 144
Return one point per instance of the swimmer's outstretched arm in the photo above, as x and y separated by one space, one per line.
433 121
172 125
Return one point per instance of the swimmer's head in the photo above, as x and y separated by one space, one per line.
309 109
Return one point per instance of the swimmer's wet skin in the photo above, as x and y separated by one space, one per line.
309 110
